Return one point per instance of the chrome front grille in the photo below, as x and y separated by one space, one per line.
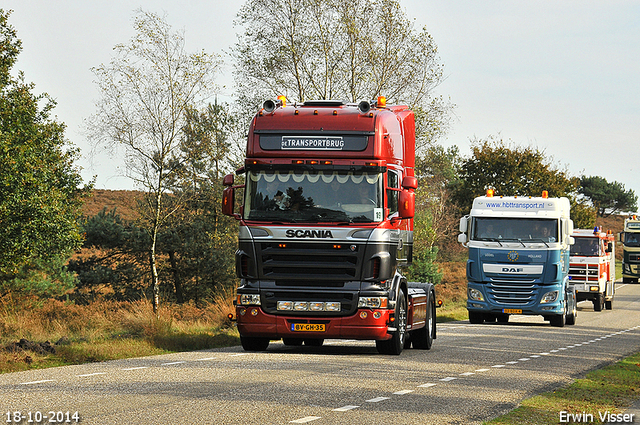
512 293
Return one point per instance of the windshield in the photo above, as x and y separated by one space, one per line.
586 247
515 229
313 196
631 239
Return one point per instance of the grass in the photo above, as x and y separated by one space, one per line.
610 389
55 333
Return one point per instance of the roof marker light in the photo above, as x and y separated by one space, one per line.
382 102
489 193
283 100
545 194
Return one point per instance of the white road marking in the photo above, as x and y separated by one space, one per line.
512 362
467 374
206 358
345 408
524 359
136 368
498 365
426 385
448 378
305 420
403 392
168 364
483 370
377 399
36 382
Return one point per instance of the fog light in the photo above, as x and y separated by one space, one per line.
301 306
285 305
333 306
475 295
594 288
254 312
316 306
377 315
363 314
243 312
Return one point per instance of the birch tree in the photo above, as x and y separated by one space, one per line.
339 49
146 89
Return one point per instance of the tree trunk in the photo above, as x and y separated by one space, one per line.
177 282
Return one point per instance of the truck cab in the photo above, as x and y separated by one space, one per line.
592 268
326 226
630 239
518 258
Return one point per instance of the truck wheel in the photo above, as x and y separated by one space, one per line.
598 302
292 341
423 338
608 305
395 345
476 318
573 314
254 343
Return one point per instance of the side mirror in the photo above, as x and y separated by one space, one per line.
464 224
610 247
570 240
407 204
228 200
410 183
462 238
227 180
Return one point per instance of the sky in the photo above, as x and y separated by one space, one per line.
560 76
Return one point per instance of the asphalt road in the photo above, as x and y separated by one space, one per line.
472 373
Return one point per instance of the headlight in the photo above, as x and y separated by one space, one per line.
373 302
549 297
249 299
475 295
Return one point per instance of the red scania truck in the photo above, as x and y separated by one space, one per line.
326 224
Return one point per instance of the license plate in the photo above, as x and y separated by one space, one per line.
307 327
512 311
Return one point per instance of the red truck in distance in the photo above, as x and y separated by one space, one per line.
326 226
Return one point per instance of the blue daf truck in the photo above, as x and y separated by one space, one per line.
519 258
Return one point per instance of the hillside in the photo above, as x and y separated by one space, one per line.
124 201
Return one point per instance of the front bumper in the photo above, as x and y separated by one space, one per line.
254 322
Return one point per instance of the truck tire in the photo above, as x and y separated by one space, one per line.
422 338
476 318
254 343
598 302
395 345
608 305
